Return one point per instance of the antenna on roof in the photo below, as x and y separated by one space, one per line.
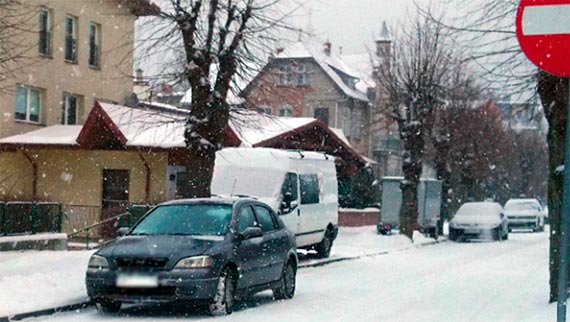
233 187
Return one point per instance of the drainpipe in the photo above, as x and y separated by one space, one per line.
147 184
34 174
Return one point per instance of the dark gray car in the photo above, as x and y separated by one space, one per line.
213 249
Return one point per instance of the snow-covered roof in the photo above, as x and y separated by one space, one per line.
56 134
161 128
328 63
253 128
363 64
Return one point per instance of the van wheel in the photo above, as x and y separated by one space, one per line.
324 247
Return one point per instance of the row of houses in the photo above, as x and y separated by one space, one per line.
71 132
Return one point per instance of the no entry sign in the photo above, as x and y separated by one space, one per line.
543 31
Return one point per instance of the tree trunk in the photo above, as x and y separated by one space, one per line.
554 97
413 138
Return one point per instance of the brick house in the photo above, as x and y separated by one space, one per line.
306 79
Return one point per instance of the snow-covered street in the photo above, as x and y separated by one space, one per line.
477 281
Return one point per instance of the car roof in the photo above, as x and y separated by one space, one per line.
229 200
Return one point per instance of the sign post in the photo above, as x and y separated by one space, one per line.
543 31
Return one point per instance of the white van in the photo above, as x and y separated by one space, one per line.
300 186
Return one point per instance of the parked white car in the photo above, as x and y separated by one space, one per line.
479 220
300 186
525 213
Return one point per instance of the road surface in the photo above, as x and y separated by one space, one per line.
475 281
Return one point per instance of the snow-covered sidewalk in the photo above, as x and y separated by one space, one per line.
39 280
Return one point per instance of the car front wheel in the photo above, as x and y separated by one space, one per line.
109 306
223 301
286 289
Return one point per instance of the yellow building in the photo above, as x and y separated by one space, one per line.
123 155
72 53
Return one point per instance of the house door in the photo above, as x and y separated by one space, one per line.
115 199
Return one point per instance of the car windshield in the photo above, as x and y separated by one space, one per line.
195 219
524 206
480 209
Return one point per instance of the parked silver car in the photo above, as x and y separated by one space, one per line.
480 220
525 213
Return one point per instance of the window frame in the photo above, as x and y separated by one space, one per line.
317 193
94 44
65 102
288 108
258 221
303 77
264 109
28 90
74 37
285 75
45 35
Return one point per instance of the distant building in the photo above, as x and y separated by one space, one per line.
522 116
307 79
77 52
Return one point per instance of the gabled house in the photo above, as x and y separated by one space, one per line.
307 79
123 155
75 52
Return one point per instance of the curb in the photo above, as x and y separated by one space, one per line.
64 308
348 258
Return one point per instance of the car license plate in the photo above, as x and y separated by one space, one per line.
146 281
471 231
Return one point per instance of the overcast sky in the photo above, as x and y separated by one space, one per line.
353 23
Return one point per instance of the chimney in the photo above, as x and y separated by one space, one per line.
327 46
139 76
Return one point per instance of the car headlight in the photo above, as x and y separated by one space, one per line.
98 262
194 262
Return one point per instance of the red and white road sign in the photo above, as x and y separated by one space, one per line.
543 31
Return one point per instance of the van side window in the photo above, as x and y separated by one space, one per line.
290 185
265 219
309 188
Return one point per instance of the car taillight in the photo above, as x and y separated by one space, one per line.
387 227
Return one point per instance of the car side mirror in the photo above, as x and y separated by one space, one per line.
251 232
122 231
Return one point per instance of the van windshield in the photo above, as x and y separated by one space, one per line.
262 183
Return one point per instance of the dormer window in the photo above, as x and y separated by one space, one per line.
285 75
303 78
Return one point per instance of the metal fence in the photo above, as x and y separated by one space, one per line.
25 217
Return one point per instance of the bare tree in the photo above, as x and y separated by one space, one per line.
14 28
213 44
489 36
416 84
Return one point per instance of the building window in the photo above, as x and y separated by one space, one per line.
94 44
28 104
71 39
69 109
286 110
303 75
322 114
346 120
356 123
44 43
285 75
264 110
